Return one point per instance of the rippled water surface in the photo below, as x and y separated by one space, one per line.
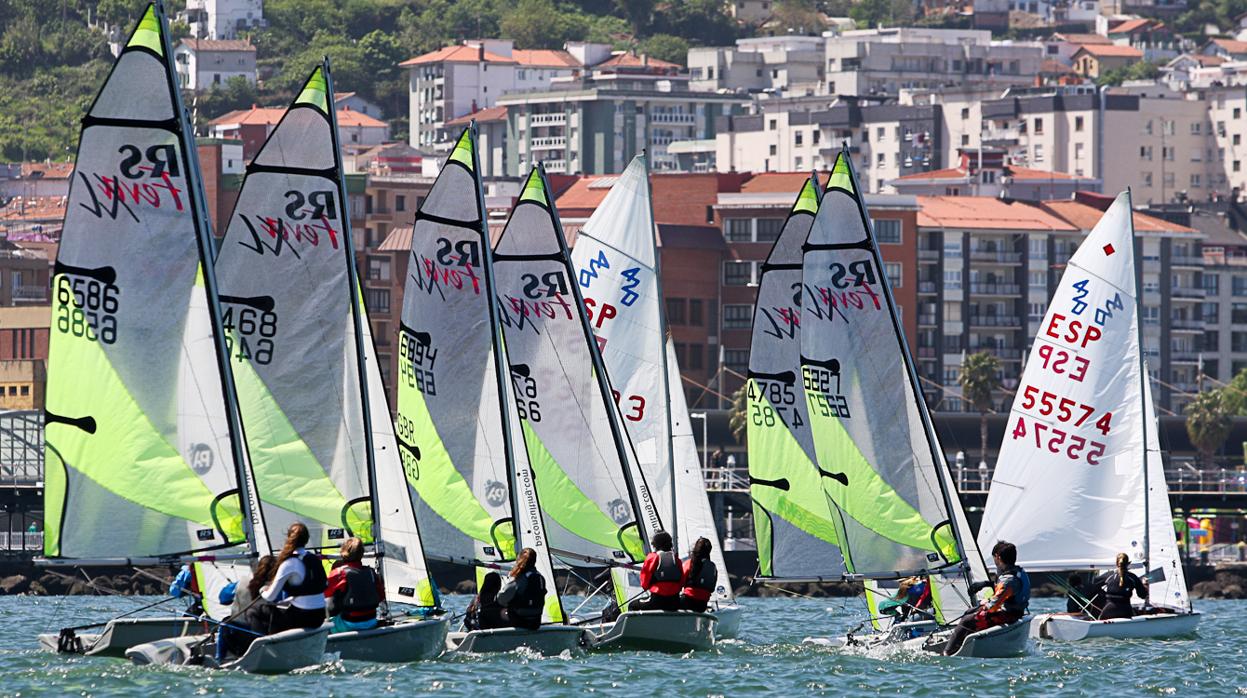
768 656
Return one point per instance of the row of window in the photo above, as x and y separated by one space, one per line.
685 311
887 231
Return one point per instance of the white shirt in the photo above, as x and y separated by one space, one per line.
292 571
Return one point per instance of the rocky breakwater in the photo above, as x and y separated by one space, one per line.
35 581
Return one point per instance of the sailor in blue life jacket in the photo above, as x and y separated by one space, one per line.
186 584
353 591
700 578
1008 604
301 575
662 576
524 593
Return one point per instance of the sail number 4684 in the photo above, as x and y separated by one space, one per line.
1058 441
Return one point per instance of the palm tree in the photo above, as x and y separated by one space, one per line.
980 376
1208 422
738 414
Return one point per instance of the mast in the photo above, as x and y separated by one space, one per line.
599 368
1143 377
666 375
356 315
906 358
207 257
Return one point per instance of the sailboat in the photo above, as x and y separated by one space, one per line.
595 501
617 266
463 460
143 450
884 482
1080 476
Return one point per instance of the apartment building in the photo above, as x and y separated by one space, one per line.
1226 106
781 65
222 19
203 64
887 141
986 172
885 61
23 356
596 124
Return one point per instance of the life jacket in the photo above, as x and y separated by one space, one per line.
1020 600
530 595
360 598
668 568
703 585
314 579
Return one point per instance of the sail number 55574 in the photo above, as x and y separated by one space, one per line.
1055 440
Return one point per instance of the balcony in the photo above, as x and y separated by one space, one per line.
1186 325
926 287
996 256
995 321
926 352
993 289
25 293
1187 260
549 143
556 165
929 255
926 320
1184 356
1188 292
547 120
1006 353
673 118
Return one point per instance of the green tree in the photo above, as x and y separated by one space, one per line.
1208 422
738 414
797 16
980 377
1142 70
666 47
639 13
236 93
1235 393
874 13
543 24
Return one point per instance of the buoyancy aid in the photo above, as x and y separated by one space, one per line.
530 595
314 579
701 585
360 598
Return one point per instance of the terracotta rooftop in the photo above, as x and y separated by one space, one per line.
770 182
1230 45
985 213
1084 39
34 208
399 239
269 116
1084 217
1110 51
1052 65
545 58
47 170
1022 173
219 45
481 115
631 60
1133 25
536 58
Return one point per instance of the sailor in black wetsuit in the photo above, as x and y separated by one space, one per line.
1119 585
524 593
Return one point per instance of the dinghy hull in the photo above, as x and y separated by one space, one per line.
728 617
279 653
121 634
664 631
405 641
548 640
1001 641
1071 629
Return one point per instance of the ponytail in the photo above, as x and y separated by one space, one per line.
1123 563
296 537
701 553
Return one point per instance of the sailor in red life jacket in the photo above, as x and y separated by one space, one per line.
354 592
662 576
700 578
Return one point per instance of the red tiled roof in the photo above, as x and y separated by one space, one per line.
481 115
631 60
1052 65
1022 173
1084 217
545 58
771 182
47 170
586 192
1230 45
1084 39
399 239
1132 25
34 208
985 213
1111 51
457 54
947 173
269 116
219 45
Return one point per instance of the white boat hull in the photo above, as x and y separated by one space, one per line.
279 653
549 640
121 634
666 631
1012 640
1067 628
896 634
404 641
728 617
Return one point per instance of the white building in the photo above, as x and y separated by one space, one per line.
222 19
783 65
206 63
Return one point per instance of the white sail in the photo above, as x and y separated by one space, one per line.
1068 489
1167 581
692 504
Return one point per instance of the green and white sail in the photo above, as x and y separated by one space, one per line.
140 458
795 524
596 506
450 419
876 454
285 282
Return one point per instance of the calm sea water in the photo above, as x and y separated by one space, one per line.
768 656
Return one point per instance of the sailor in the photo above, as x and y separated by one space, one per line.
485 612
700 578
250 615
524 593
1008 603
662 576
301 575
187 584
913 595
1119 585
353 591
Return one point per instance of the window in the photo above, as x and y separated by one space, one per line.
738 229
1145 152
675 311
694 312
25 390
737 317
379 268
815 135
880 133
888 232
774 150
1238 285
894 272
1038 279
771 124
1238 313
965 113
965 139
737 273
378 300
1169 179
797 138
1237 112
736 360
1035 311
1238 139
1039 152
1197 128
1212 339
881 159
1212 284
1238 341
1077 123
1038 126
1238 165
1078 151
695 354
1209 312
1167 152
1196 181
400 202
768 229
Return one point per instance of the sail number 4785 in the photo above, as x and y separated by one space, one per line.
1055 440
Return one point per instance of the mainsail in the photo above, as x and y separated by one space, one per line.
595 503
286 283
141 459
1167 580
795 524
1068 489
875 451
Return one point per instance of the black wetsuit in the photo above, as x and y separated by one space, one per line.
1118 588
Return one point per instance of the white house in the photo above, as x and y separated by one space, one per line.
353 102
222 19
205 63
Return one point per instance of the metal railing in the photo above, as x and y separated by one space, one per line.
547 119
672 118
996 289
995 321
21 540
925 254
926 287
996 256
549 142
